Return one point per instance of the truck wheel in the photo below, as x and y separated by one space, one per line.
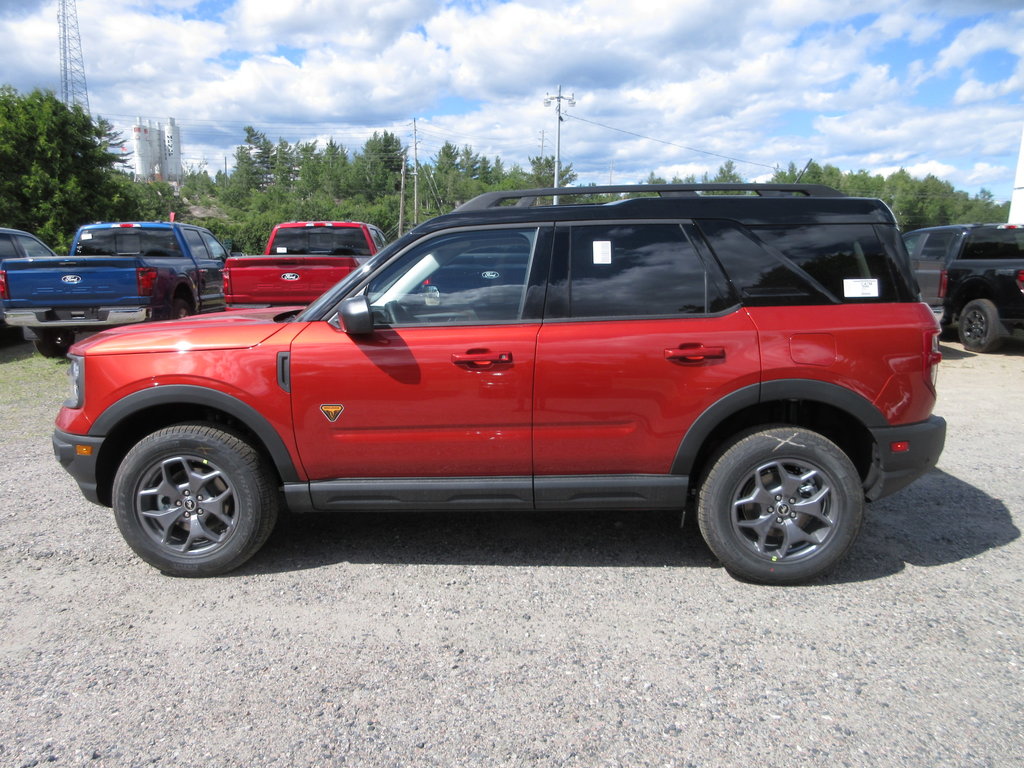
781 505
980 326
180 308
194 500
53 342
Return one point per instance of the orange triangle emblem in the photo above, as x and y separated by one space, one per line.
332 412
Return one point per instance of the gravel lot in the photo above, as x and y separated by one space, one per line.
475 640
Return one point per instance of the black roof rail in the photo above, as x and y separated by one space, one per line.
528 197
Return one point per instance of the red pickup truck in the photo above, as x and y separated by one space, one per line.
302 260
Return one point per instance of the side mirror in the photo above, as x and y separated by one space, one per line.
355 317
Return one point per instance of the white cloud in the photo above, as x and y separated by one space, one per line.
858 83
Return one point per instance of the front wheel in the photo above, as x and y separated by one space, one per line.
194 500
780 506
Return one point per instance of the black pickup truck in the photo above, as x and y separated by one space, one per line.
972 275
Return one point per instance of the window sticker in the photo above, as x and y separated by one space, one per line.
282 249
86 236
602 251
861 288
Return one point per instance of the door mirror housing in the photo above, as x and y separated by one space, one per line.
355 317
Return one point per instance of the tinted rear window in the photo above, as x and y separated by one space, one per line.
995 244
820 264
127 242
338 241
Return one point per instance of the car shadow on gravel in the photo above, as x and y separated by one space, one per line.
587 539
939 520
954 350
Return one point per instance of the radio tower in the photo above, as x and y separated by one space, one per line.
73 89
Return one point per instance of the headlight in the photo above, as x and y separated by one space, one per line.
76 382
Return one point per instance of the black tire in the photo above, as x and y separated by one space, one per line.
53 342
780 506
980 328
180 308
194 500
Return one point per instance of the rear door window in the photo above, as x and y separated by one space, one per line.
639 270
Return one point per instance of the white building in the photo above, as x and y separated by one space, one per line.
1017 201
157 151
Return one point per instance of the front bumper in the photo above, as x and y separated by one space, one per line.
895 469
78 454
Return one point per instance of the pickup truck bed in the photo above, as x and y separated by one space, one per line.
261 281
302 259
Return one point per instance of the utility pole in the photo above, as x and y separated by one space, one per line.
558 129
73 89
401 195
415 176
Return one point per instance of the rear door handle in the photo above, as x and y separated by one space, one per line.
481 358
694 354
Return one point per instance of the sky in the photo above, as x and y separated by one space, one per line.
673 87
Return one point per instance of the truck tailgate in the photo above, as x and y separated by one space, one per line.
282 279
72 282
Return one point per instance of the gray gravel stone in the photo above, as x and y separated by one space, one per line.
607 639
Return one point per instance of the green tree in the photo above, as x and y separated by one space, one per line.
58 167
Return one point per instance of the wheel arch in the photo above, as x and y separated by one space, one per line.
141 413
841 415
971 289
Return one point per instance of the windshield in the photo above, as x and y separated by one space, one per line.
338 241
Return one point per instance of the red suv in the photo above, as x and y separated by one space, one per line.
758 357
302 260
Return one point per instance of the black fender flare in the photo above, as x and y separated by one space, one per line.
857 406
188 393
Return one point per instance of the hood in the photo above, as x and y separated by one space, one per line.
234 329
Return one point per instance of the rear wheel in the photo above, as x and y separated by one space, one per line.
53 342
980 326
194 500
781 505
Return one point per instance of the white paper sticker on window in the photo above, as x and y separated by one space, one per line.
86 236
602 251
862 288
282 249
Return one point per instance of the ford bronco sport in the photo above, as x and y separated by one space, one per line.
755 353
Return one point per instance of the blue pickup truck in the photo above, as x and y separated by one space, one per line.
116 274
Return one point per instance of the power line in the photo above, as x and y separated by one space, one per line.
668 143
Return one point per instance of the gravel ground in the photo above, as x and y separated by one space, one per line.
476 640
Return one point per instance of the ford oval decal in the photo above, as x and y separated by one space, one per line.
490 275
71 279
289 276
